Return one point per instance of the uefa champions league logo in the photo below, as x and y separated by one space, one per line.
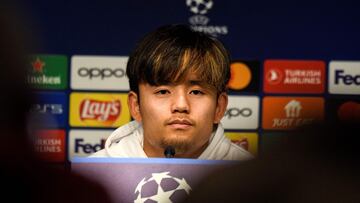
161 188
200 22
199 6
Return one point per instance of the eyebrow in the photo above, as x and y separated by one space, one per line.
196 82
201 83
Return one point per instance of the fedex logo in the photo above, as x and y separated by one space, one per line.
83 143
340 76
344 77
88 148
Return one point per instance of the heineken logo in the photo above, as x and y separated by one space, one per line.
43 79
48 72
38 65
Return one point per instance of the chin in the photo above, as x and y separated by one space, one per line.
180 143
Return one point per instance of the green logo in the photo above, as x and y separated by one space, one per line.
48 72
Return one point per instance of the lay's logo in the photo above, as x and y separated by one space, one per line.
246 140
98 109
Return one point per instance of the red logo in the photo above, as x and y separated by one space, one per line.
243 142
50 145
290 112
38 65
349 112
274 76
294 76
100 110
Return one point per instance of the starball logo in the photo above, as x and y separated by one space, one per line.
291 112
200 22
98 109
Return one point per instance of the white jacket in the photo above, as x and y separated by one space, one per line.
127 141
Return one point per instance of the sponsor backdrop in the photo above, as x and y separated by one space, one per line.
292 64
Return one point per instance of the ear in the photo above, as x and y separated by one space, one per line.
222 102
134 106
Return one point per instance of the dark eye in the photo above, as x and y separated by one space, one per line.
162 92
196 92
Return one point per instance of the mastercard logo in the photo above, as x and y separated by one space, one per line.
349 112
240 76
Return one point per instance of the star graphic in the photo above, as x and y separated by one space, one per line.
184 185
162 196
159 176
138 188
38 65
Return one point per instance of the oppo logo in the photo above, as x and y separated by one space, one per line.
101 72
235 112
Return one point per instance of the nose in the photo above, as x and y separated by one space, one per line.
180 103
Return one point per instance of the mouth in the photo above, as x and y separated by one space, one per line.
180 124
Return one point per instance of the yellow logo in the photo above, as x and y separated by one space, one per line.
98 110
240 76
246 140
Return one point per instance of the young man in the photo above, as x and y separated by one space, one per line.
177 98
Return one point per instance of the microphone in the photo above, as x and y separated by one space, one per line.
169 152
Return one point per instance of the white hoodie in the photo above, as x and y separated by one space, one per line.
127 142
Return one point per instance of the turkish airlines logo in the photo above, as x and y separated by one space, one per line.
291 112
99 73
241 113
49 145
294 76
344 77
100 110
274 76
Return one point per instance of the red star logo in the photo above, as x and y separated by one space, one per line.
38 65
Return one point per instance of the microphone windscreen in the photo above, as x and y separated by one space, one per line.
169 152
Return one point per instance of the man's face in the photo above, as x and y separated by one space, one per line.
179 115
